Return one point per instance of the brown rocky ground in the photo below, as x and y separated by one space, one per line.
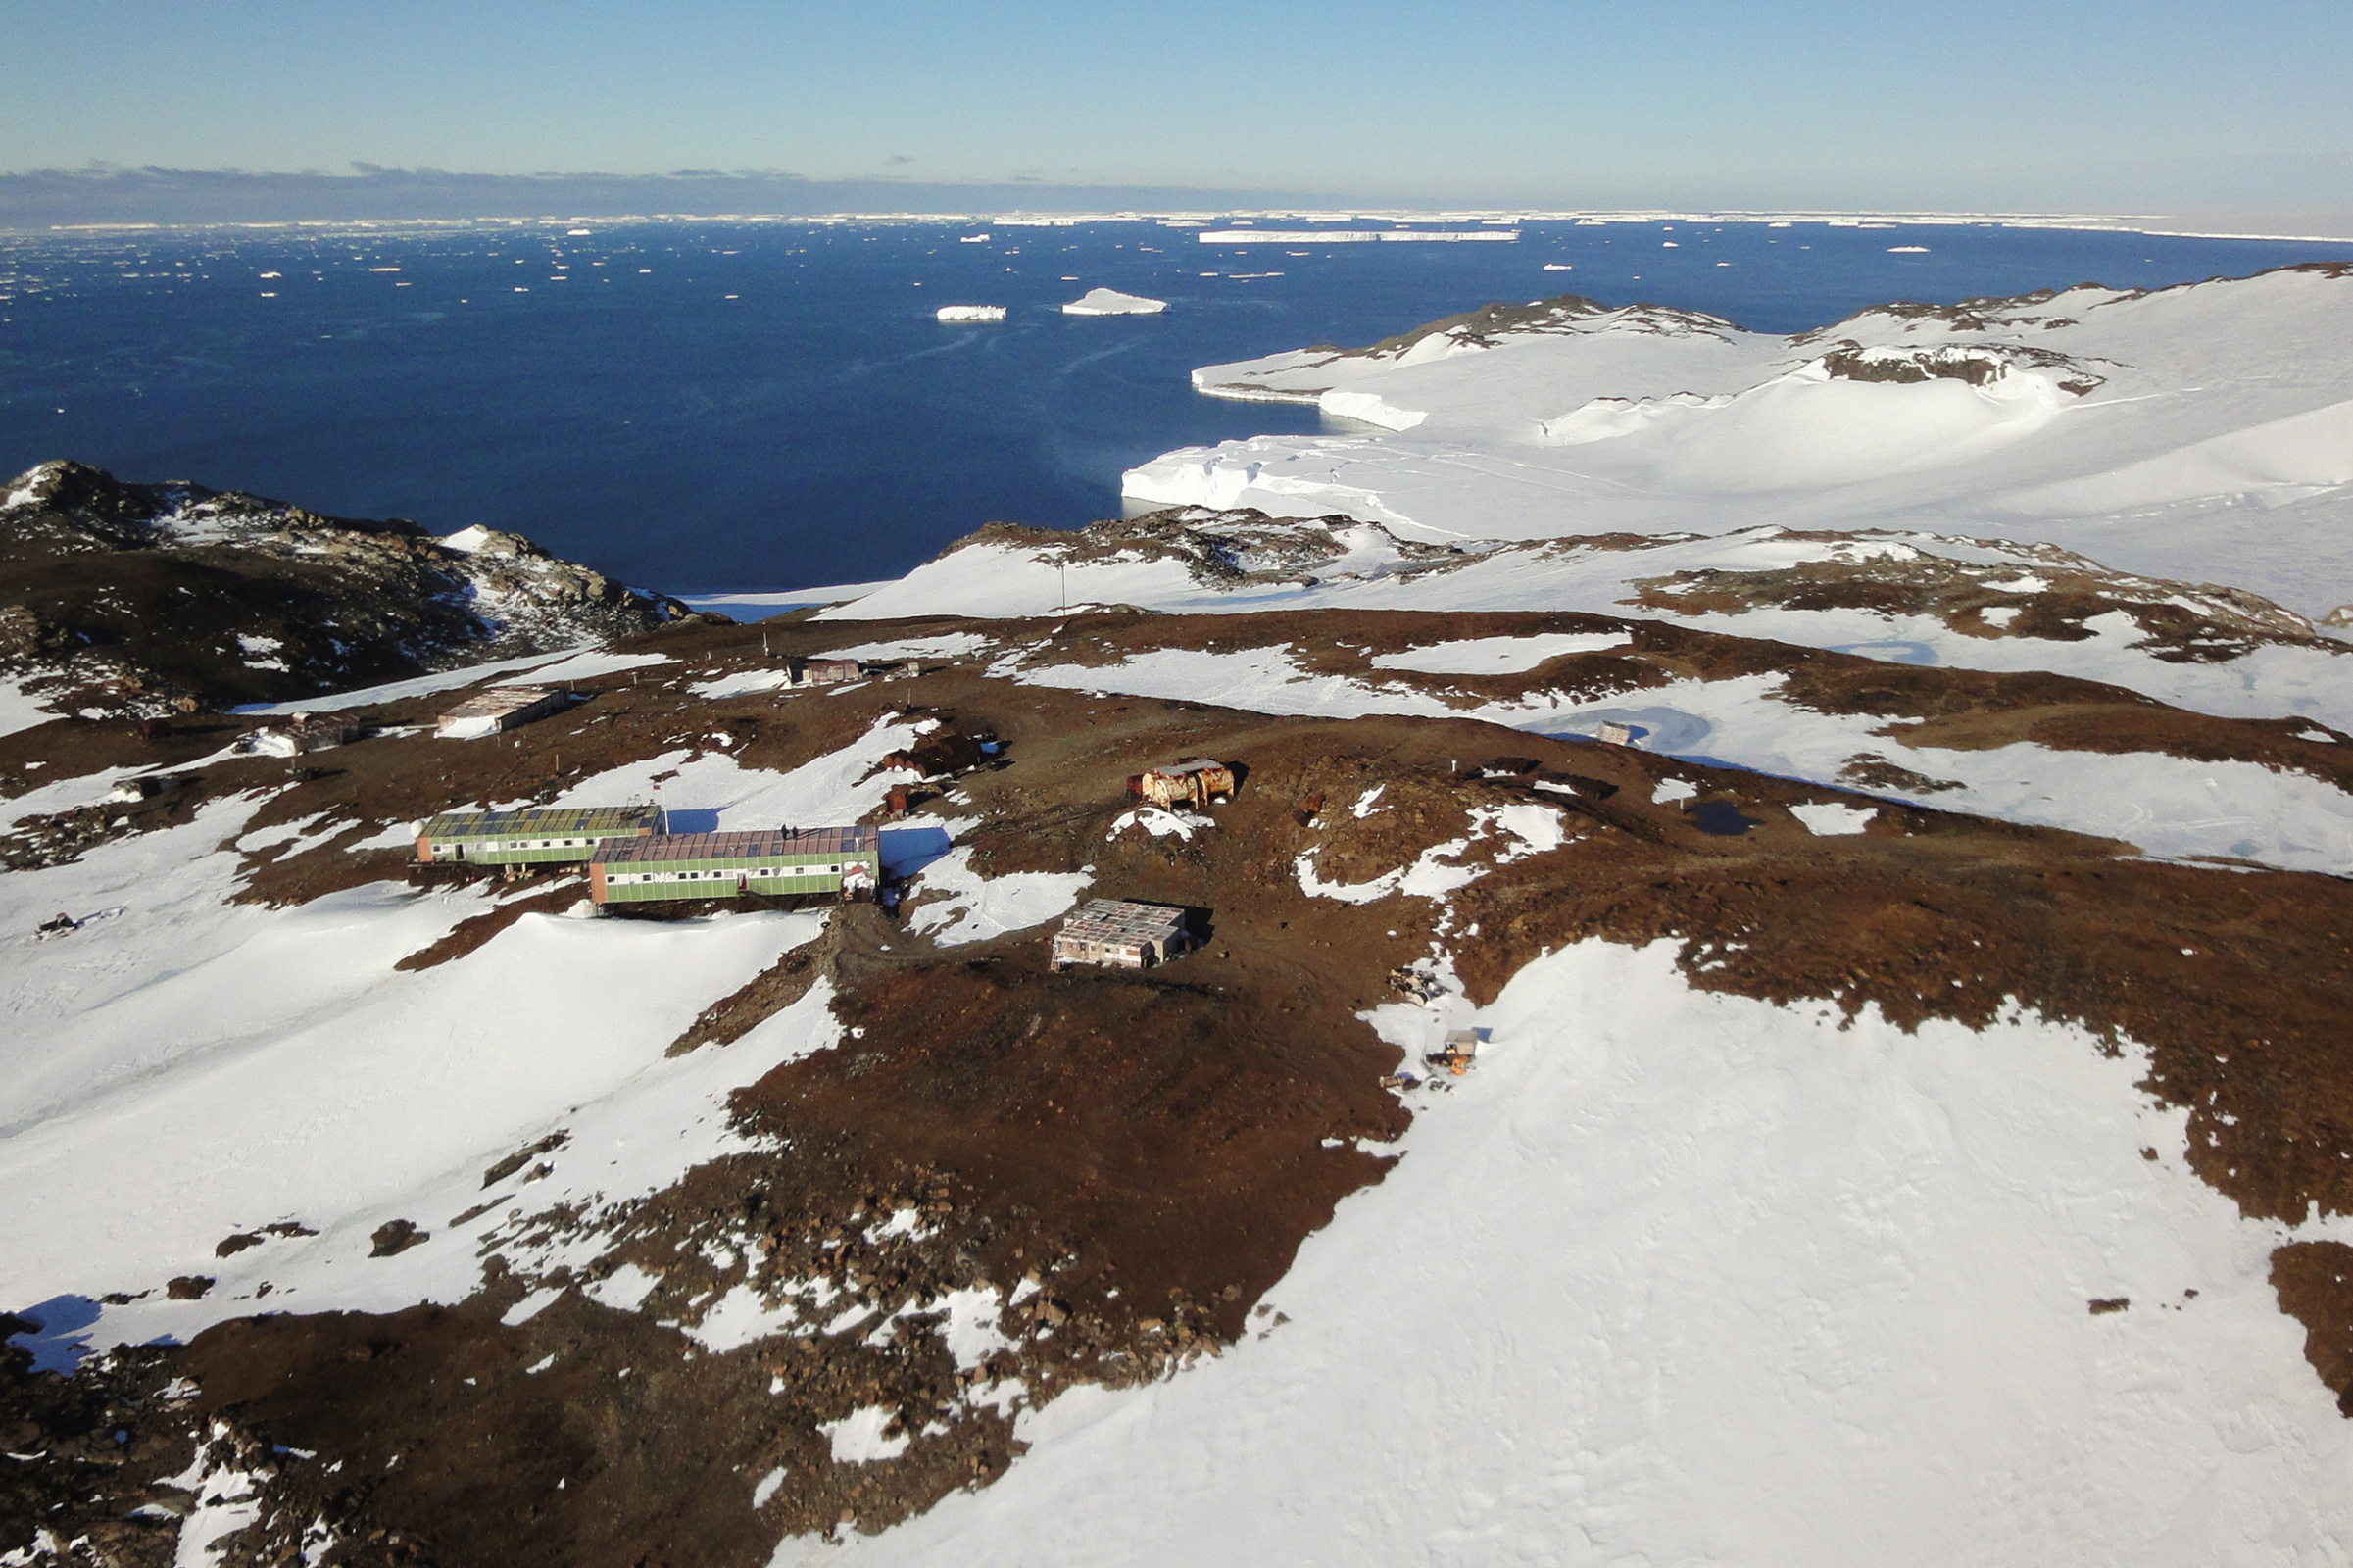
1143 1154
2180 622
149 599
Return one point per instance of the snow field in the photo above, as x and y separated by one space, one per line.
1681 1276
1159 823
2270 681
189 1068
828 789
976 908
207 1064
2215 447
19 709
246 1066
1496 655
2166 805
585 662
1440 869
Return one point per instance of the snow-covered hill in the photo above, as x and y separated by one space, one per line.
2201 432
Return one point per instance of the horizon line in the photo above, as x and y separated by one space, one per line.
2142 223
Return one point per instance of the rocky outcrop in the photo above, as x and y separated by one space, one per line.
1976 364
136 597
1236 548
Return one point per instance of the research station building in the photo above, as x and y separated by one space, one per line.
843 861
535 836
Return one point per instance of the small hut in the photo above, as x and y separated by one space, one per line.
297 733
826 671
939 754
500 708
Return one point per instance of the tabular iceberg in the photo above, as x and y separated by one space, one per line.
971 313
1110 302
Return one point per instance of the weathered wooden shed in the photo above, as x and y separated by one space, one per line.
534 836
502 707
941 753
300 733
845 861
826 671
1120 934
1189 780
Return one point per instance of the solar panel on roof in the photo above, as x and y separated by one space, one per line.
855 840
540 820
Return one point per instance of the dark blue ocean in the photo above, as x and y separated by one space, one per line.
704 407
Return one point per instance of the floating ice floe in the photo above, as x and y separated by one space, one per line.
971 313
1110 302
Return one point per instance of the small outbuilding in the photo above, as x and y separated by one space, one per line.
1187 781
502 707
535 836
1120 934
826 671
844 860
1458 1054
300 733
941 754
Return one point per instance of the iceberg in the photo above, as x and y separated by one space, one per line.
1110 302
971 313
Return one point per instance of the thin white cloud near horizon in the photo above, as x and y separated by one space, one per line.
1995 104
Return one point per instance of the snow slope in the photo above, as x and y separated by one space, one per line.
2199 431
1368 567
183 1069
1677 1277
2167 806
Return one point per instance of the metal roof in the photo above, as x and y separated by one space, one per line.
542 821
1119 920
500 700
856 840
1191 765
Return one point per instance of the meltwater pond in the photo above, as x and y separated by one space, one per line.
706 406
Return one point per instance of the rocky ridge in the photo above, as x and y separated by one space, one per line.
140 599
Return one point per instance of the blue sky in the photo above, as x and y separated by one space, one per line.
1933 103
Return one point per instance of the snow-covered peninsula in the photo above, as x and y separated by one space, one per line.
2204 431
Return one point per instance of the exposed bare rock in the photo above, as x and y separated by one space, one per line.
129 598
